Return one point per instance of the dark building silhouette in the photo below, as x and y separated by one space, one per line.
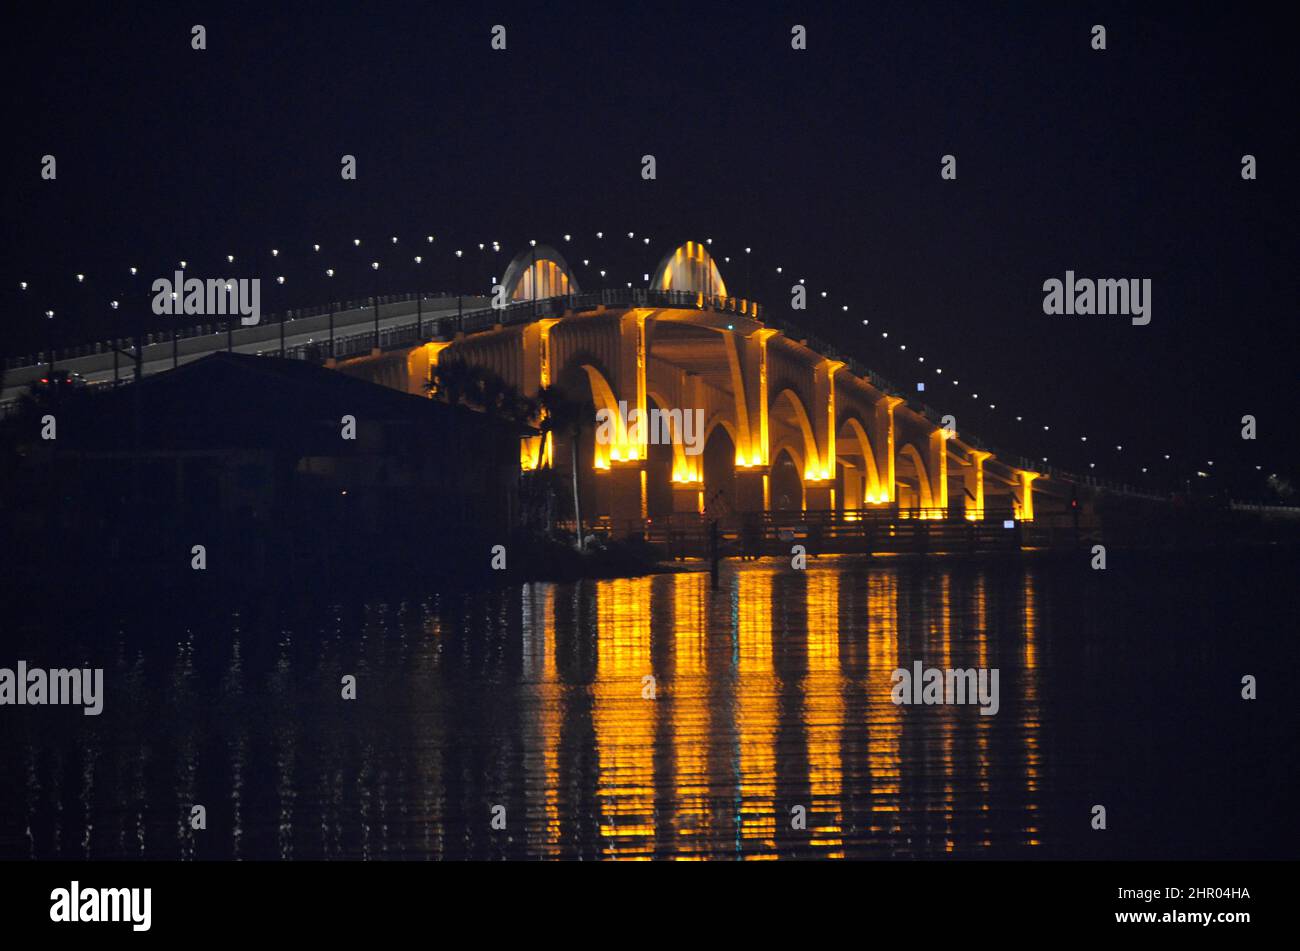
281 469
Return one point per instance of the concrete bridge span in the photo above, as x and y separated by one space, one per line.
781 425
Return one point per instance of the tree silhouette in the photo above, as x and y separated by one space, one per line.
563 414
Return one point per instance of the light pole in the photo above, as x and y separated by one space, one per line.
112 305
230 322
49 373
419 300
279 279
532 276
27 298
137 336
460 300
374 266
175 313
275 253
329 274
81 297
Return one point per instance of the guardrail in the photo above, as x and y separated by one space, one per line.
866 531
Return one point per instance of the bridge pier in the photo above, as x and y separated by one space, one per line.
621 490
751 489
688 497
819 496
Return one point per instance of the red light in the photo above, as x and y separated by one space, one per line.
44 380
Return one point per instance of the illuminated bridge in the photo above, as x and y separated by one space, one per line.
788 424
793 432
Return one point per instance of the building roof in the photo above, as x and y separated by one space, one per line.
234 399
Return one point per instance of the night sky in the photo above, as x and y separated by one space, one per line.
1122 163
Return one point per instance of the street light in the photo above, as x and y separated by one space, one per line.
230 322
460 299
374 266
49 315
280 280
176 312
112 305
329 273
419 299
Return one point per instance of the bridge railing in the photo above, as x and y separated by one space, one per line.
889 530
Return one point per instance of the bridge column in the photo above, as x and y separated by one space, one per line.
742 394
1024 499
622 492
631 383
755 378
823 420
973 482
819 496
751 489
938 465
882 443
688 497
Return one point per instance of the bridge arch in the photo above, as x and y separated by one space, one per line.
689 268
684 468
872 490
797 416
583 377
911 466
785 479
718 469
537 273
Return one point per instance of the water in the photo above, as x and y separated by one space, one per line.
1119 688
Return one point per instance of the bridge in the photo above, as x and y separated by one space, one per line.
788 423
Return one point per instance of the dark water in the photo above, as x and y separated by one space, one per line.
1119 688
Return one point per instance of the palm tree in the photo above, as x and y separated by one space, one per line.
456 382
552 411
563 414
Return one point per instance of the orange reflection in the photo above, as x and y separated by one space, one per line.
690 715
624 720
756 715
884 718
824 714
542 798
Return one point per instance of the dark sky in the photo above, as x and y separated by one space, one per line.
1122 163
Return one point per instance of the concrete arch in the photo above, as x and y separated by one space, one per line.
689 268
580 376
718 472
810 465
616 446
790 448
910 454
717 420
785 495
538 273
875 489
684 469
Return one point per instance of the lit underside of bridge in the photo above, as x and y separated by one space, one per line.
786 427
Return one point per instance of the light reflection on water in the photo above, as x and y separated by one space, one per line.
771 694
